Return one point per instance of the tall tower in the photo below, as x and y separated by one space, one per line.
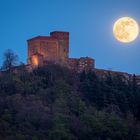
63 41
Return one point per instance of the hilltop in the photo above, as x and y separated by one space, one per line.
56 103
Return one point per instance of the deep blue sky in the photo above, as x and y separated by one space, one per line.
89 22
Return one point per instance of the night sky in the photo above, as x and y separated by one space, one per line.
89 22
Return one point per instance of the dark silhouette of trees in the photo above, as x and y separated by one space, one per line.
10 60
55 103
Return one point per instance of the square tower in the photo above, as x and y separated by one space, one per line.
63 41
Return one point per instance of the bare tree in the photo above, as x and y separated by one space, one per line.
10 60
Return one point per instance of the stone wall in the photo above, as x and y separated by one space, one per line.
80 64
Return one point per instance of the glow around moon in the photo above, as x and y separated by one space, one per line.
126 29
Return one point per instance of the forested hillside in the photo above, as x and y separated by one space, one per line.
54 103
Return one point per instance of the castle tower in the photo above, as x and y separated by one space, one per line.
63 41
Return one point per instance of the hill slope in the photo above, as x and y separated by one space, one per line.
54 103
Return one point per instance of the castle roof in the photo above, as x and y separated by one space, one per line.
43 38
59 32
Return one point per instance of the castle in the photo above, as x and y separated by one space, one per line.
54 49
43 50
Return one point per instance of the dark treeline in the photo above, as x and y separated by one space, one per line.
54 103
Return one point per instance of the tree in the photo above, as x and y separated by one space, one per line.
10 60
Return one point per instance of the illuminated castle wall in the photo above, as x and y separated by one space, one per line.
43 50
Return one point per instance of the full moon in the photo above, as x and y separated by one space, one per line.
126 29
